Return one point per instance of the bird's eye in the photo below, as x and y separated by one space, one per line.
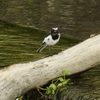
48 39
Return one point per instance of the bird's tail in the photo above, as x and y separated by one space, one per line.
41 48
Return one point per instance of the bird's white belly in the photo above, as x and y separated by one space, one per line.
49 41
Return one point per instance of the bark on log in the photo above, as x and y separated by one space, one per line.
19 78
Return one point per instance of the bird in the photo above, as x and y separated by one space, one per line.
51 39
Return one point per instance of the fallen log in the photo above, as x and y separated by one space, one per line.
17 79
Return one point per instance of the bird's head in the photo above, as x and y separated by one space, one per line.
54 30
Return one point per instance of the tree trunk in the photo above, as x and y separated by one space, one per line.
19 78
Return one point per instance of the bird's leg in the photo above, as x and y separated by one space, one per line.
52 51
49 49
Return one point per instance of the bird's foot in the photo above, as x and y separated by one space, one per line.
54 53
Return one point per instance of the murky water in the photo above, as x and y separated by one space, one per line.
19 44
14 47
78 18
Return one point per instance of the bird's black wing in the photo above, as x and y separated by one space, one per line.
48 34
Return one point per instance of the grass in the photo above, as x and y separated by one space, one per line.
19 44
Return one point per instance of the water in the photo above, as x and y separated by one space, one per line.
77 18
19 44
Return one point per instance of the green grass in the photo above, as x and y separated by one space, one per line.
19 44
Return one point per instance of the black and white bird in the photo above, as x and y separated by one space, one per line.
51 39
